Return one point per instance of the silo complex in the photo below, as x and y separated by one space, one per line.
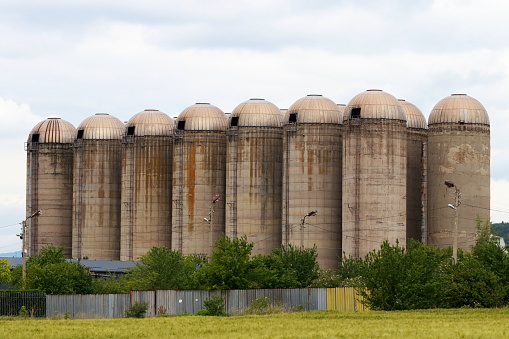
199 165
97 187
416 172
49 185
312 166
458 152
374 173
147 148
254 174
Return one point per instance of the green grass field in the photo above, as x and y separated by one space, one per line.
462 323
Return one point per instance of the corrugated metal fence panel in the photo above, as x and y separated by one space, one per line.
147 296
166 302
344 299
87 305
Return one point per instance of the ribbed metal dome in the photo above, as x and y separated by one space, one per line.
257 113
101 126
315 109
150 122
53 130
460 109
414 116
375 104
202 117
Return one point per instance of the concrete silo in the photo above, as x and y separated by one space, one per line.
374 173
199 165
49 185
97 188
312 166
147 148
254 174
458 152
416 200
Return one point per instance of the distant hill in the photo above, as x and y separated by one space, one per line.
16 254
502 230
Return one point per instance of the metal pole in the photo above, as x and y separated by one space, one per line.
455 239
23 254
302 231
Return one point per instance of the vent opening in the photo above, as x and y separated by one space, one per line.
181 125
130 130
356 113
35 137
292 118
80 134
234 122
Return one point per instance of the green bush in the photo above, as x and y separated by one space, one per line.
137 310
214 306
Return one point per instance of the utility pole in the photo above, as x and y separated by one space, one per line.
302 223
23 237
455 207
215 199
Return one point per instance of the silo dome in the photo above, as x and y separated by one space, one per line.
53 130
150 122
415 118
256 113
459 108
202 117
314 109
101 126
374 104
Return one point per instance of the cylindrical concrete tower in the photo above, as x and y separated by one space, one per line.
254 174
374 173
199 165
49 185
147 148
458 152
312 166
97 188
416 200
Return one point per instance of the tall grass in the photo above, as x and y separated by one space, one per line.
458 323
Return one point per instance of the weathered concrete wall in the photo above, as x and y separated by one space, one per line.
146 194
415 213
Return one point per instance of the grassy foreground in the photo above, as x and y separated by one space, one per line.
459 323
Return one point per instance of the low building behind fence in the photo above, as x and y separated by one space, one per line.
175 302
14 303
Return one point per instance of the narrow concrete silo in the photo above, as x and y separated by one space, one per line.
374 173
199 165
254 174
416 200
97 188
458 152
49 185
147 148
312 180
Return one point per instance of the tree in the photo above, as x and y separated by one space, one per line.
162 268
5 271
49 272
229 265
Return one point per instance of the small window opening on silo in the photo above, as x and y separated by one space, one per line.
35 137
181 125
234 122
356 113
292 118
80 134
130 130
461 122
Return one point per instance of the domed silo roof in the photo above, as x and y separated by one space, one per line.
374 104
150 122
202 117
315 109
101 126
257 113
414 116
459 108
53 130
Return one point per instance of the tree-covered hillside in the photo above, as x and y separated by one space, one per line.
502 230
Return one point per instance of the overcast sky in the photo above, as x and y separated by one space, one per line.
72 59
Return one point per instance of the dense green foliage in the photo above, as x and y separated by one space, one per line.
5 271
213 306
137 310
501 230
420 276
49 272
